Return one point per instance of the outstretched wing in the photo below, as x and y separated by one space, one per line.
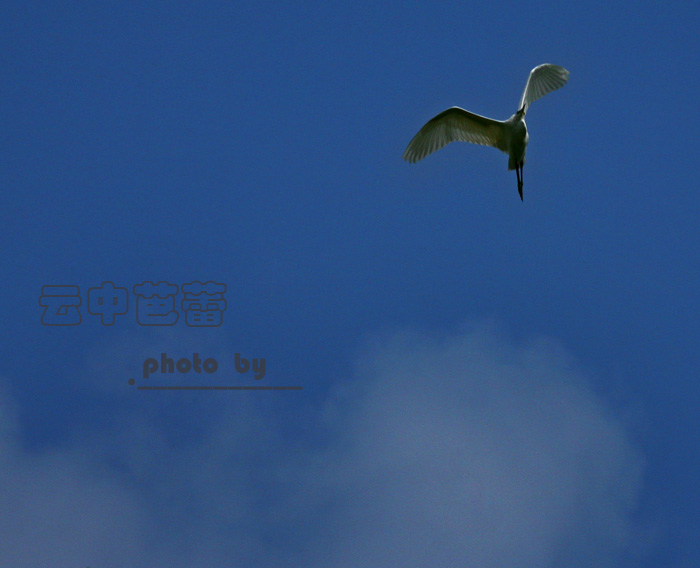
543 79
451 125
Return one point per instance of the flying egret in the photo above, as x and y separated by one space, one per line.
509 136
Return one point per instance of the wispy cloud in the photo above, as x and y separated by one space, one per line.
468 450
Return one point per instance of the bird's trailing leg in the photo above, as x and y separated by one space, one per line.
519 173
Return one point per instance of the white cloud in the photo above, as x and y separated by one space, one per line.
472 451
456 451
58 503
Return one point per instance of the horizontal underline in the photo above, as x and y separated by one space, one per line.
214 388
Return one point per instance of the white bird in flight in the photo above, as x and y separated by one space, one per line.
509 136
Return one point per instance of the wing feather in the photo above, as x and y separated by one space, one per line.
543 79
455 124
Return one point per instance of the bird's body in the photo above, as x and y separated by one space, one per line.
517 136
509 136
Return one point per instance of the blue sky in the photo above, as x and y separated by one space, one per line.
485 381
